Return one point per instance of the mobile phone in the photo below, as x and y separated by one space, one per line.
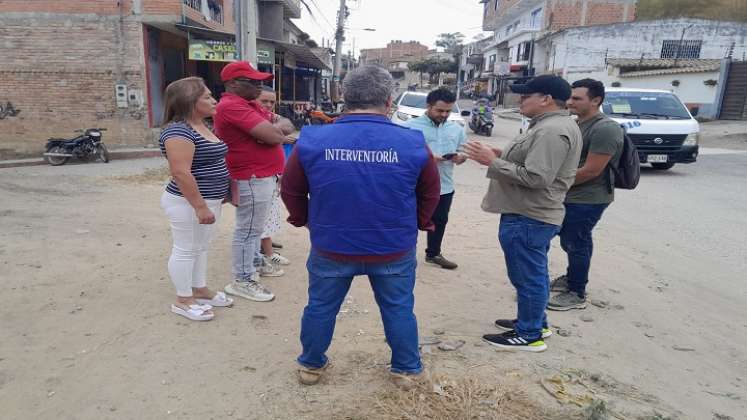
449 156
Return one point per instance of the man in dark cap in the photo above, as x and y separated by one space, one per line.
528 183
255 159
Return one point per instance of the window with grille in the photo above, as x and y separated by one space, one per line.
681 49
523 50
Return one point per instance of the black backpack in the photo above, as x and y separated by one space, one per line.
628 171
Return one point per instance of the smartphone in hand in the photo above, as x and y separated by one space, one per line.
449 156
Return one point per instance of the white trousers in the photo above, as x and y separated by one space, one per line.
188 261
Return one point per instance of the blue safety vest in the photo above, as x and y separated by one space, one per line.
362 173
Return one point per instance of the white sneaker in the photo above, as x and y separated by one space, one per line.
252 290
278 259
268 269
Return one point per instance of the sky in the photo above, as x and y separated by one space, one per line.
406 20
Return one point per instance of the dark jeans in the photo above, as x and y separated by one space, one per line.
440 218
576 241
392 284
525 243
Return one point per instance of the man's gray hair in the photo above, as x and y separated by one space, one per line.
368 86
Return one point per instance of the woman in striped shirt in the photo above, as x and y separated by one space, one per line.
192 200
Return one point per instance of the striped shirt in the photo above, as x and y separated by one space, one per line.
208 164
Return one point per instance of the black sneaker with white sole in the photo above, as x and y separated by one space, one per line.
509 340
510 325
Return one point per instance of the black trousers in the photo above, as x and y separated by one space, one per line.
440 219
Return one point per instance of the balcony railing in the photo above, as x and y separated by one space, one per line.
215 9
519 30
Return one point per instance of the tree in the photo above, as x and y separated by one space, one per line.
420 67
451 42
433 67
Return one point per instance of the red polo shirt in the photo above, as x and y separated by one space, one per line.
234 118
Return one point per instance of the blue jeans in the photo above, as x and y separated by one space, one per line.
576 241
392 284
525 243
255 200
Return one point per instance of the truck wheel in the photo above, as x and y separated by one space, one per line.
662 166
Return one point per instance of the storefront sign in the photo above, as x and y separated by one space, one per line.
212 50
266 56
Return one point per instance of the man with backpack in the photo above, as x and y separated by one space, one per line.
591 193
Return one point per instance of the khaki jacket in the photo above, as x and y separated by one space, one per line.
535 171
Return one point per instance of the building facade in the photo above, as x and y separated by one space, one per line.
101 63
680 55
395 51
517 24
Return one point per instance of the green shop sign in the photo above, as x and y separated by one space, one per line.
212 50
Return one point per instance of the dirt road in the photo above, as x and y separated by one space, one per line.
87 334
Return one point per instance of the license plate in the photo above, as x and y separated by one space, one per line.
656 158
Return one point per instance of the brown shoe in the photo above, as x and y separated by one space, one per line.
310 376
442 262
407 381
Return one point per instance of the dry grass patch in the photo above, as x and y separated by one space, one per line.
448 398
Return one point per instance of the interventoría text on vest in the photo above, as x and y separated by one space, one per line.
367 156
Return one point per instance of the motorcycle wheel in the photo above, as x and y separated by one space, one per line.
103 153
56 160
489 132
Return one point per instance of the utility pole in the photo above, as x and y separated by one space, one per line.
458 58
246 30
339 38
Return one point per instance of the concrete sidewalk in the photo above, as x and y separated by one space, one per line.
116 154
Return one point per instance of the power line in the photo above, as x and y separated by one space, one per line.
316 6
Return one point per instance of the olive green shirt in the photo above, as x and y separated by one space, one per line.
535 171
604 136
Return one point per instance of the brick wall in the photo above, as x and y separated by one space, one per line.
60 71
559 14
570 13
102 7
62 60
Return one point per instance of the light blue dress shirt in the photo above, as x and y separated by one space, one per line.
442 139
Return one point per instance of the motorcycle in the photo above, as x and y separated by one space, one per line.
88 145
318 117
481 122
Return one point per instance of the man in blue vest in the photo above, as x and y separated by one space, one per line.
444 138
363 186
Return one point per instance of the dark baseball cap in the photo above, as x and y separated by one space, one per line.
546 84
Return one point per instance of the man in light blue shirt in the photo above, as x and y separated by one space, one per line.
444 138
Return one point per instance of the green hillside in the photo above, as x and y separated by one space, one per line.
705 9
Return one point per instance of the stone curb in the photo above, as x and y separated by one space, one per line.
121 154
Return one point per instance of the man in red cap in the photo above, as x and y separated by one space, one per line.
255 160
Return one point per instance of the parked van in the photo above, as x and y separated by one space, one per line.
663 130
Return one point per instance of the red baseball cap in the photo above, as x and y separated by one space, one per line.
242 69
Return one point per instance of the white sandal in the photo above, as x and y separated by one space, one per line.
219 300
195 312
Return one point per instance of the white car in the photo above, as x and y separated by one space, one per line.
410 105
